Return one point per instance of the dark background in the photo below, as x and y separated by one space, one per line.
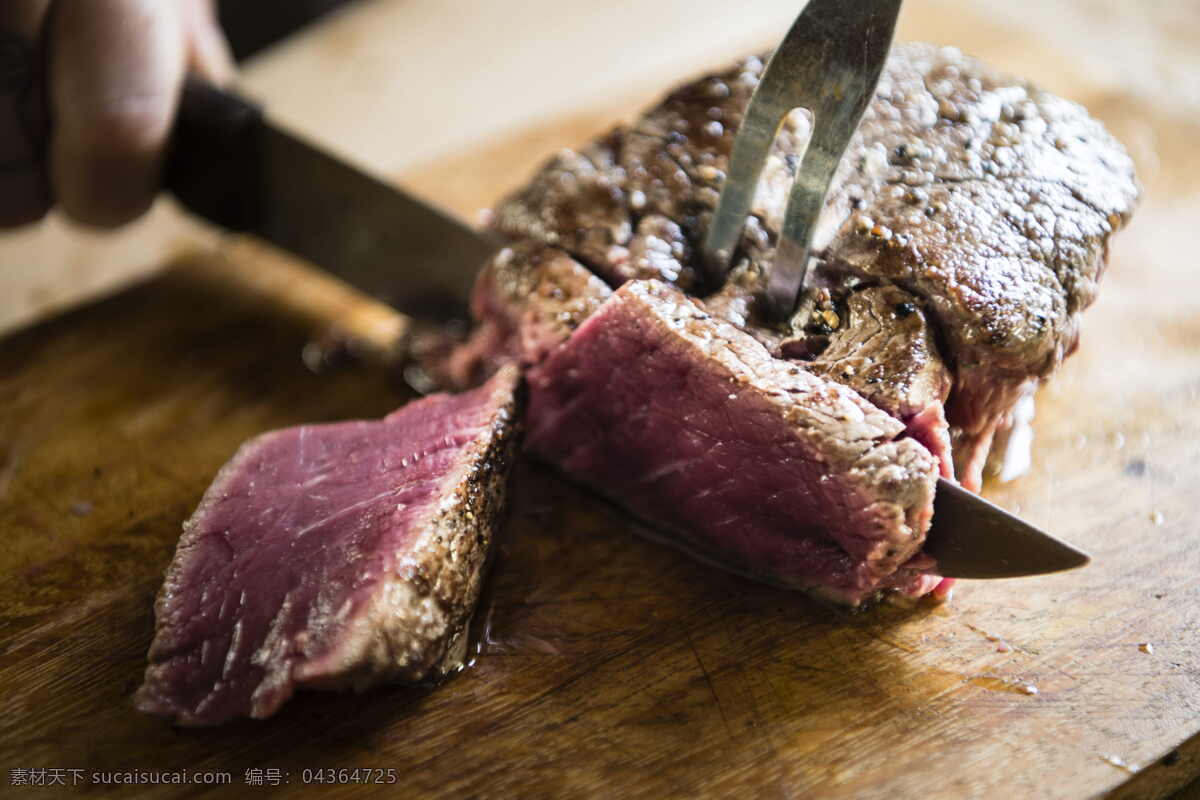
253 24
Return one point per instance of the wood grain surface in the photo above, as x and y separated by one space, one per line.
611 666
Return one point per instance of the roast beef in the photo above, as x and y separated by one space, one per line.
965 232
333 556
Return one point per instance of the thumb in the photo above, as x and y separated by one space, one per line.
116 67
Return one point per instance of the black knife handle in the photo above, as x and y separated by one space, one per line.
213 162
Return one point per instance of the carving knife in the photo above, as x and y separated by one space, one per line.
232 166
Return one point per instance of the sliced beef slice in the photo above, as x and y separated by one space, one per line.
744 459
333 556
989 200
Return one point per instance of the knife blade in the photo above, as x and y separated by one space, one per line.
231 166
973 538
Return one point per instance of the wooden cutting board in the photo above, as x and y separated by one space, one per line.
611 666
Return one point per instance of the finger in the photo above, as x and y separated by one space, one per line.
116 68
208 50
24 187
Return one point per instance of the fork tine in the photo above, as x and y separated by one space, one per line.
829 63
750 150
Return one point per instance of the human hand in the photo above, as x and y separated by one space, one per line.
88 92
